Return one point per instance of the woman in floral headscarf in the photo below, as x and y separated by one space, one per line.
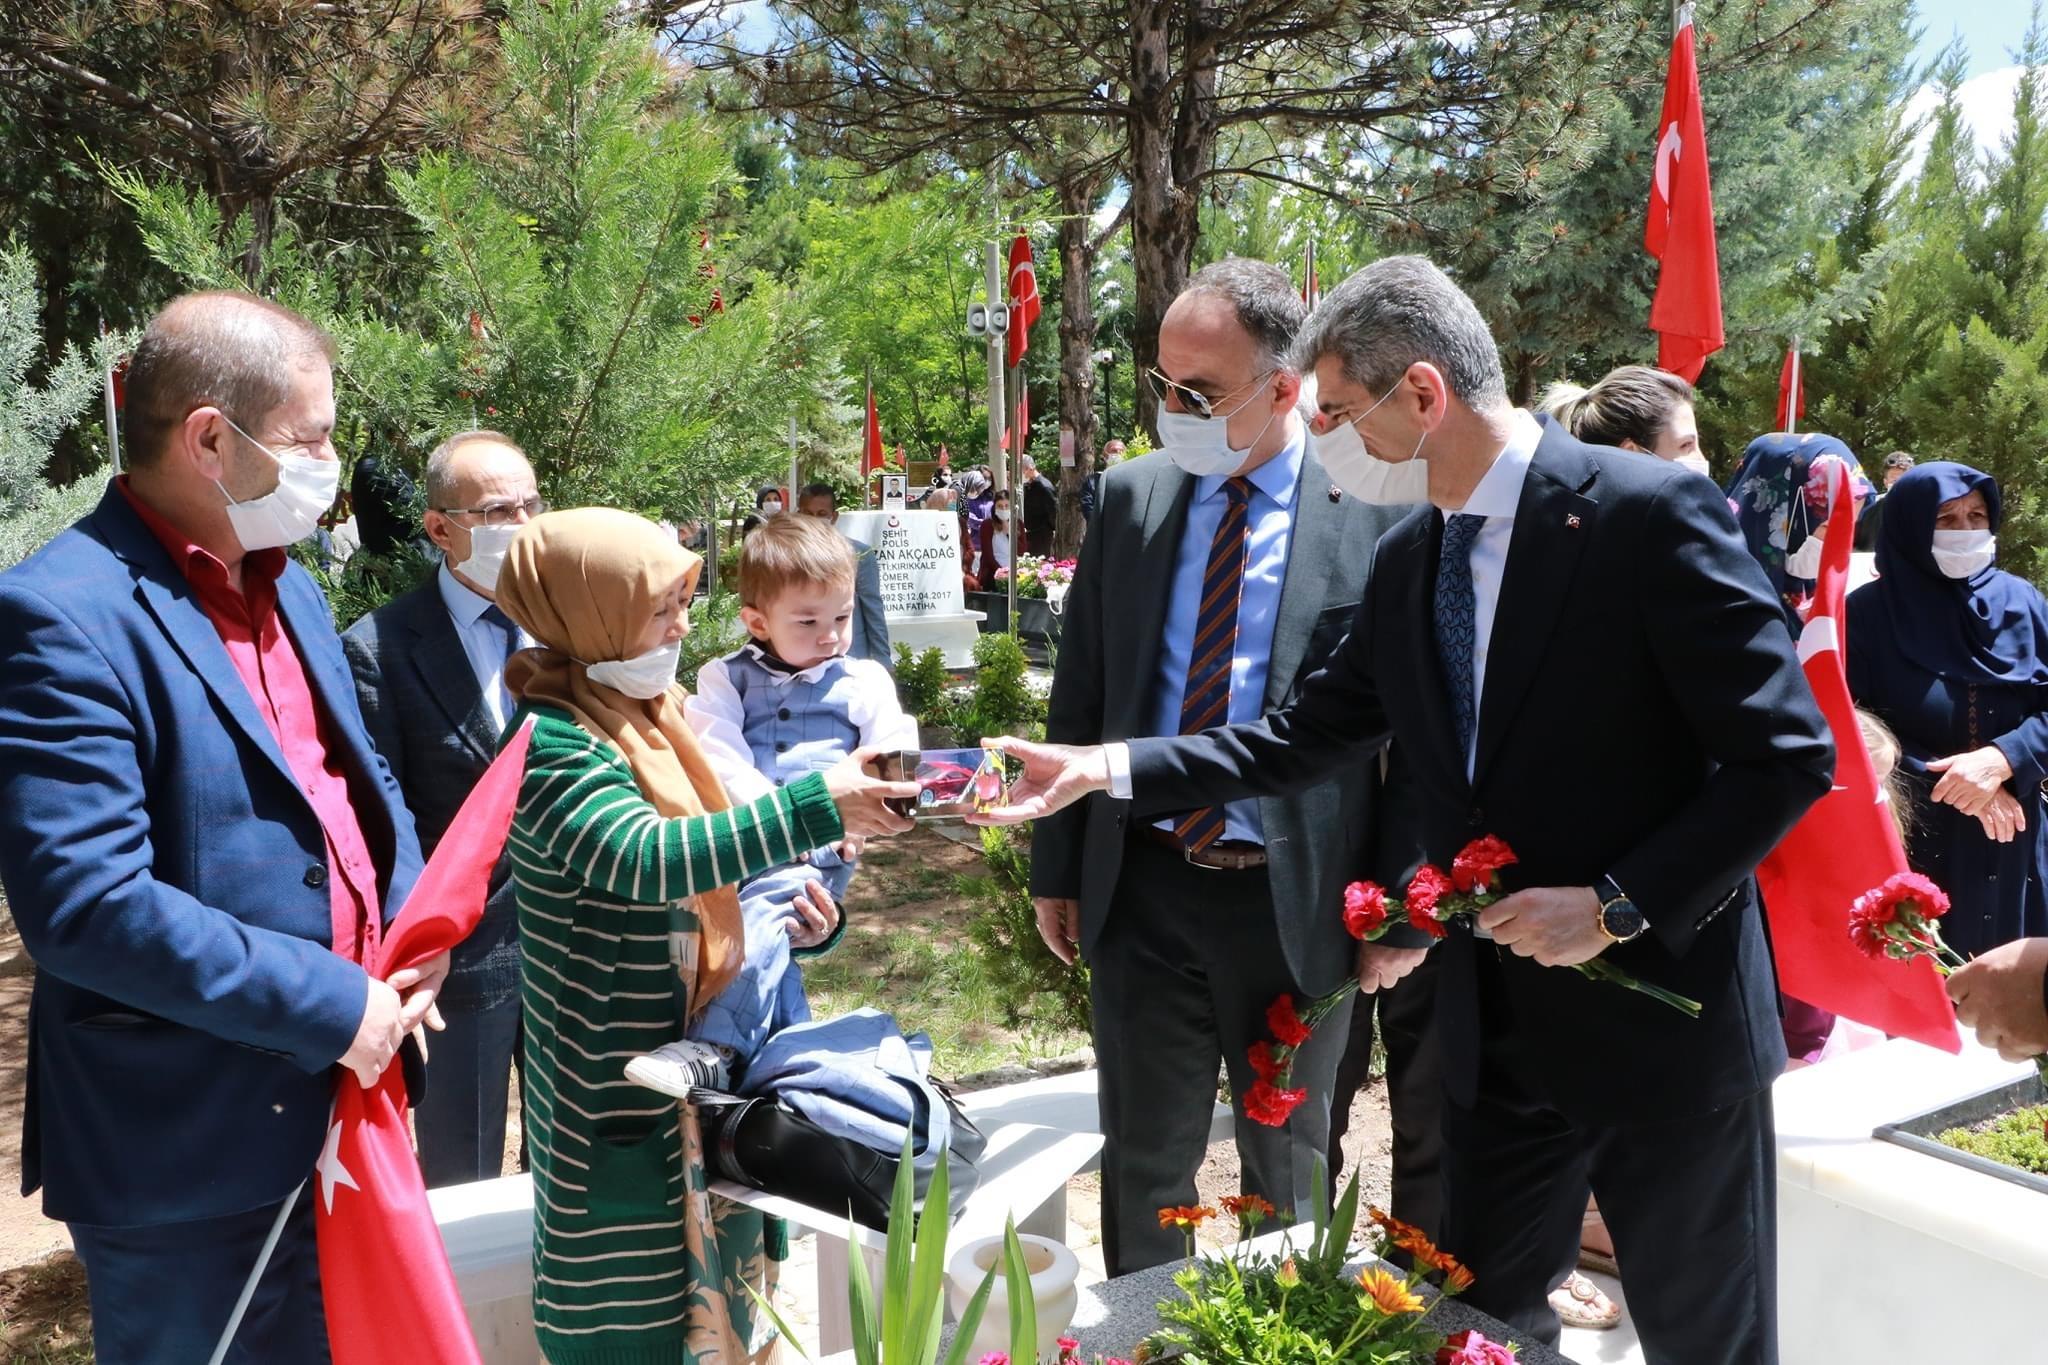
1781 500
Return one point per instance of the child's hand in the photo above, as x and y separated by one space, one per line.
850 847
813 915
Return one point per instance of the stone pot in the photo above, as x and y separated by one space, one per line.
1054 1291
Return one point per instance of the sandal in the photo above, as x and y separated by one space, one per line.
1578 1302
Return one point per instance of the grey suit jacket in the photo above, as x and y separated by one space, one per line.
870 627
1103 690
427 717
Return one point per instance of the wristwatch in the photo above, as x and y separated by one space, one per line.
1618 916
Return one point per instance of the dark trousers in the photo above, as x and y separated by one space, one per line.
1182 976
162 1294
1691 1204
1404 1017
460 1122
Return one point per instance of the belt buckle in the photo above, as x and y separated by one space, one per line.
1190 855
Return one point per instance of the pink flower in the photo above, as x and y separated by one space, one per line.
995 1358
1068 1348
1472 1348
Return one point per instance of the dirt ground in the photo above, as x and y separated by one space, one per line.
904 950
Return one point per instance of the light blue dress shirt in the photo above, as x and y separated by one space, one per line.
1270 529
483 644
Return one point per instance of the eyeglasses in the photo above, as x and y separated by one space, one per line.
500 513
1193 400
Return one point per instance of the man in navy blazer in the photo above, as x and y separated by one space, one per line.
1578 655
197 842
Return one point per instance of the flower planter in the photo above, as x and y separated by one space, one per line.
1920 1133
1035 617
1054 1292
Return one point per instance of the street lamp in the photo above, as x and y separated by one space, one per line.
1106 358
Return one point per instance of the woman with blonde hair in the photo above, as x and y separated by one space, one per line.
1634 407
625 852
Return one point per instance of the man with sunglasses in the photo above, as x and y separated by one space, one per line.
429 670
1219 574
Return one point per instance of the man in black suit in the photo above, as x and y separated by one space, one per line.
1219 575
1041 507
1578 655
429 671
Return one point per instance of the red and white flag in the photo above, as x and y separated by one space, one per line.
1686 312
384 1274
1791 391
1023 299
1845 845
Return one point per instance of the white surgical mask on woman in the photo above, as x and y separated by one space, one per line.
289 512
1201 445
487 546
1964 554
771 507
1804 562
643 677
1696 462
1363 474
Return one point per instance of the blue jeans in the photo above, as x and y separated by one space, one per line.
163 1294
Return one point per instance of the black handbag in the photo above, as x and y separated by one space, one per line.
764 1144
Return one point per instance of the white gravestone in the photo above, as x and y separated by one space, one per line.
919 555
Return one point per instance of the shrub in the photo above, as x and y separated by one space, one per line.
1034 986
1001 703
921 681
715 631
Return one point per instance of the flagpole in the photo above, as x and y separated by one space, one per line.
113 412
1792 398
867 476
284 1212
998 416
795 475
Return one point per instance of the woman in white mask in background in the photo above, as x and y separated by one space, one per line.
1781 496
1634 407
1952 653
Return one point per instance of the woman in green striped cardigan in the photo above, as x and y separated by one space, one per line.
624 857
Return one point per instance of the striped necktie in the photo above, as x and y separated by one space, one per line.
1206 700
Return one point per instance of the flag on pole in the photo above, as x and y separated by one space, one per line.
1311 287
1023 299
1686 312
871 437
384 1273
1791 391
1845 845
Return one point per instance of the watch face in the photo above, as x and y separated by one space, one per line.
1621 919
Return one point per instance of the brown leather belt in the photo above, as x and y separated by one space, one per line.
1225 855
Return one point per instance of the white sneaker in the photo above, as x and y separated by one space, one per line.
682 1066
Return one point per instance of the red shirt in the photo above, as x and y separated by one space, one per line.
271 669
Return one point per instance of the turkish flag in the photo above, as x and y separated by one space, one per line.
871 458
1791 390
1845 845
1023 299
1686 313
383 1272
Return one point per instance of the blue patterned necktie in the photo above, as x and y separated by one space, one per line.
1456 621
509 645
1206 699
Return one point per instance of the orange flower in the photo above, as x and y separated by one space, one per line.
1407 1237
1185 1217
1457 1279
1246 1207
1389 1293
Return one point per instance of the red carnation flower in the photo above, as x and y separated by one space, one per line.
1365 909
1429 886
1472 1348
1264 1066
1867 930
1473 868
1285 1023
1268 1104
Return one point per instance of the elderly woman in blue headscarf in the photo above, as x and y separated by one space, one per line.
1952 653
1781 497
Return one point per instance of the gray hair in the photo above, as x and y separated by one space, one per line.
440 475
230 350
1267 304
1395 312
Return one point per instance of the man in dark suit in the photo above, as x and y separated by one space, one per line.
429 669
199 845
1041 503
1576 654
870 625
1198 597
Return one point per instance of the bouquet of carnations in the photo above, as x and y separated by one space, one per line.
1435 900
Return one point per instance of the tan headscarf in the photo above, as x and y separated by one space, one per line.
585 583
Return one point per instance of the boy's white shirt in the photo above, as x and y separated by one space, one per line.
718 716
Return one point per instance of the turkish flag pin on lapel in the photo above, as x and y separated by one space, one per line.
1572 520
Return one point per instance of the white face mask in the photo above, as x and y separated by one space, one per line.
1001 514
771 507
642 678
487 546
1364 475
1697 463
289 512
1201 445
1964 554
1804 562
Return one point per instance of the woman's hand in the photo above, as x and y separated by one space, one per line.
813 915
860 797
2005 819
1969 781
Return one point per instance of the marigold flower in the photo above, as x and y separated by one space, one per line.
1473 868
1285 1023
1389 1292
1365 909
1457 1278
1288 1275
1268 1104
1247 1207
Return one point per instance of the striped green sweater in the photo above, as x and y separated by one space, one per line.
620 1275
